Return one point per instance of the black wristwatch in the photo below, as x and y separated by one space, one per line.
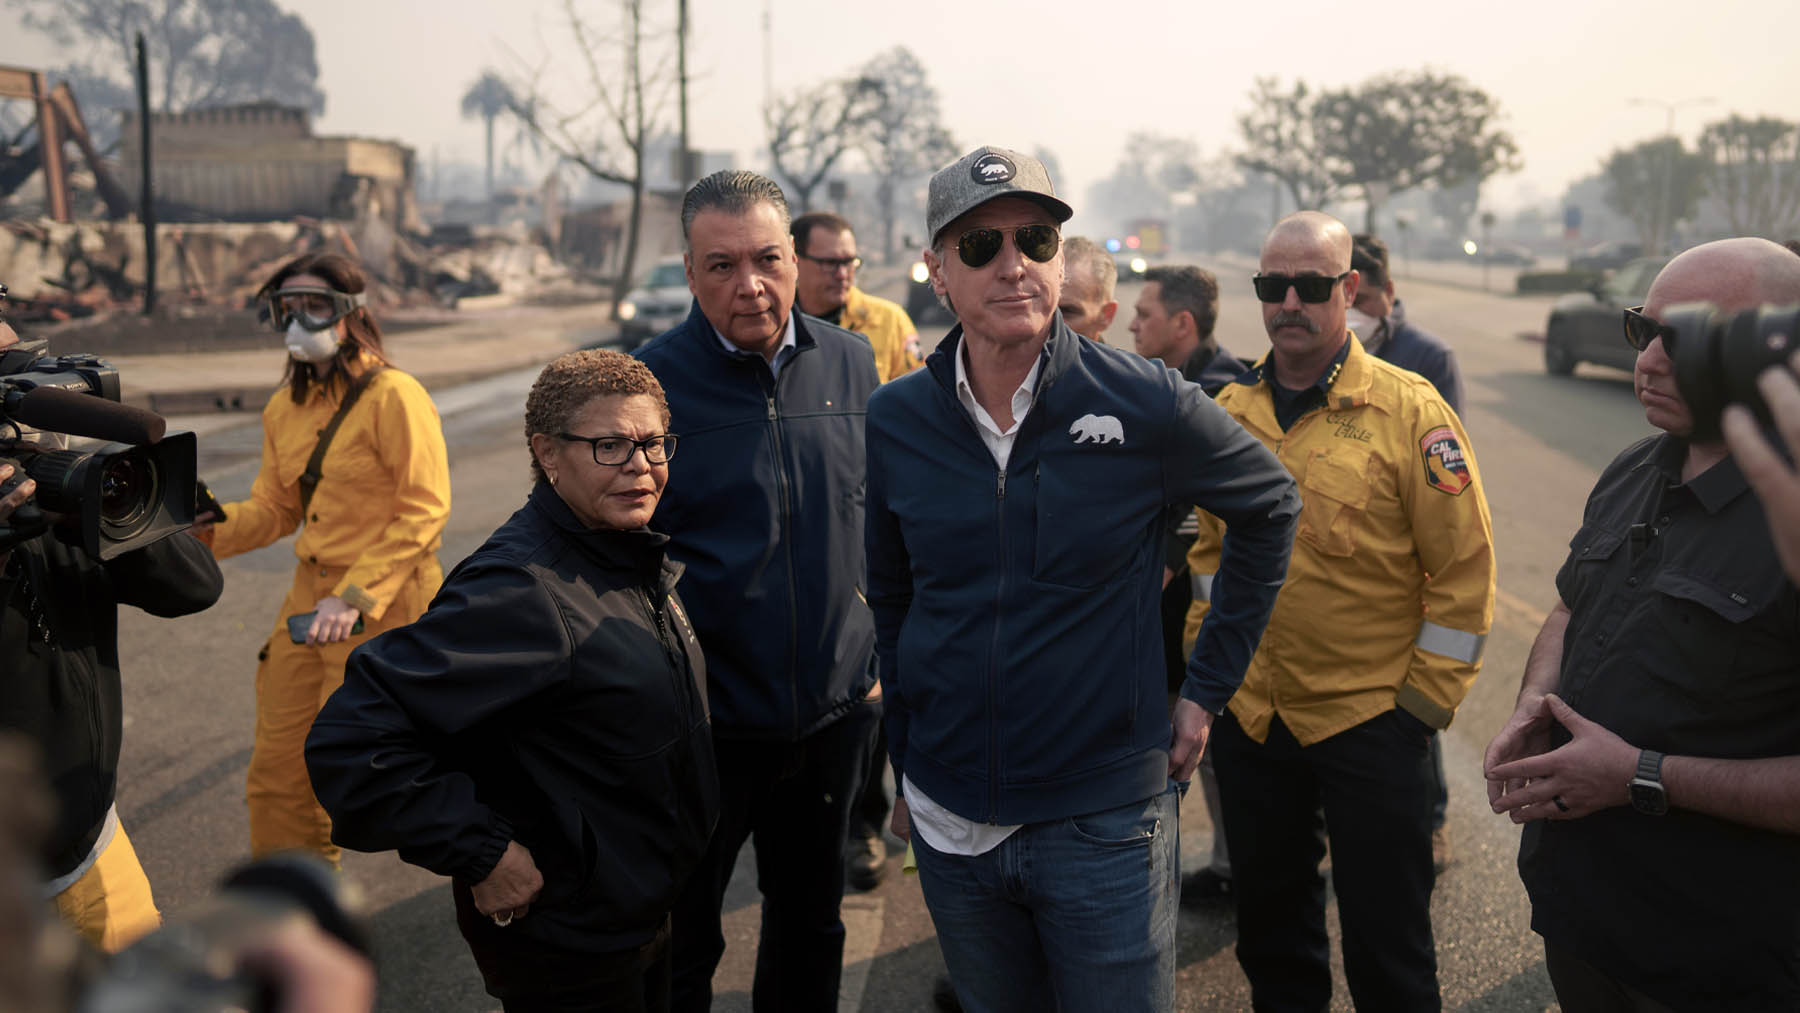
1647 794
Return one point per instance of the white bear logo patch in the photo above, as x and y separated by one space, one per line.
1097 429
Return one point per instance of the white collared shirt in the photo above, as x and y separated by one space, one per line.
944 830
788 343
999 443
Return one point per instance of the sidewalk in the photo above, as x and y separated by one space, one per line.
487 342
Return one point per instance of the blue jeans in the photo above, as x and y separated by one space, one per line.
1071 915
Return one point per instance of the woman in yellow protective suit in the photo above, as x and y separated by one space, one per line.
372 524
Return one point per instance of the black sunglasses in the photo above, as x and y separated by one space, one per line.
1640 330
978 246
1314 288
613 451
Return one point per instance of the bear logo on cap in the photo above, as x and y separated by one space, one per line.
991 168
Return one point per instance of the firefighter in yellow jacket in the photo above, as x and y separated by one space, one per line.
1375 639
827 290
372 525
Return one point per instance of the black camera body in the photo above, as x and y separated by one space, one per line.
1718 357
191 964
123 482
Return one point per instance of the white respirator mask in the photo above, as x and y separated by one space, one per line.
1363 324
307 345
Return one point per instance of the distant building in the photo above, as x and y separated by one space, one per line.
260 161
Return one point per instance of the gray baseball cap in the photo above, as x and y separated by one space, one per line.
979 177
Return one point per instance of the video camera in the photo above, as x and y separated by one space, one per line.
124 480
1718 357
192 965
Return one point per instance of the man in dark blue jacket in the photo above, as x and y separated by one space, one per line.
1379 321
766 512
1018 489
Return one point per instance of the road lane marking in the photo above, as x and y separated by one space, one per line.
1517 614
862 917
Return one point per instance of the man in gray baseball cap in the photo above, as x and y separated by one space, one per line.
1017 490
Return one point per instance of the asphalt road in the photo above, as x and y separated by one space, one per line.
1540 442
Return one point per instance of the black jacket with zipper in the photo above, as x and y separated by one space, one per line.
553 693
59 635
765 507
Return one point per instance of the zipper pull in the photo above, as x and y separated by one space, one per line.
1000 490
772 412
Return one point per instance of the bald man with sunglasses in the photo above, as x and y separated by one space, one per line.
1365 654
1654 753
1018 487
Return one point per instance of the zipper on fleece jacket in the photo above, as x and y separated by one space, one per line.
674 655
993 679
787 546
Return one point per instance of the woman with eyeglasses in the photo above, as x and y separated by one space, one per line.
370 511
540 735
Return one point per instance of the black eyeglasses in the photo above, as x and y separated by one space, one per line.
1313 288
613 451
978 246
835 264
1640 330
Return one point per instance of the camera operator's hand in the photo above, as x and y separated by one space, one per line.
508 891
333 623
1776 482
13 500
311 972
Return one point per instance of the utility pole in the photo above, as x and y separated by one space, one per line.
147 202
686 160
1664 212
768 56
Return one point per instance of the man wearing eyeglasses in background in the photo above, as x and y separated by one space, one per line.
1655 751
1018 487
769 404
826 248
828 264
1364 656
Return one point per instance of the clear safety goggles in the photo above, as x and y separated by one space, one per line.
315 306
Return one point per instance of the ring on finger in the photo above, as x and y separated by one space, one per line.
503 918
1560 804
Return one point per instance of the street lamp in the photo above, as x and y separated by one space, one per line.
1664 211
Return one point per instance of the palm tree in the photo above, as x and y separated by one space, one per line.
487 98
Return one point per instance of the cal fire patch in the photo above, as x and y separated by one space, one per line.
1445 467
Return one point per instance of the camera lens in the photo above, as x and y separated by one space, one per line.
1718 357
129 491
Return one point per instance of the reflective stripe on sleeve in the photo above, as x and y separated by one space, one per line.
1451 643
1202 585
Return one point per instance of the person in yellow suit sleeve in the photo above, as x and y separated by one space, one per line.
368 537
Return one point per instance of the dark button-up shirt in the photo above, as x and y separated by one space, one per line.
1291 404
1683 637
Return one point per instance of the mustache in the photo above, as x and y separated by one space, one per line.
1293 319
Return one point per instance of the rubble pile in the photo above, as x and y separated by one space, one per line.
59 271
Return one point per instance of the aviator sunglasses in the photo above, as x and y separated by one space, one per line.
978 246
1640 330
1312 288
